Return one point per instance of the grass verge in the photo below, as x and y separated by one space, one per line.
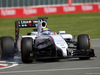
77 23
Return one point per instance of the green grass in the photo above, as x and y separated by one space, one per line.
78 23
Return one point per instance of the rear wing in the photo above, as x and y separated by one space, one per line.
24 24
27 24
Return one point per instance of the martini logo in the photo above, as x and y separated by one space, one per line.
6 12
50 10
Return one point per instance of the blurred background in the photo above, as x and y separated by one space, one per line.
74 16
22 3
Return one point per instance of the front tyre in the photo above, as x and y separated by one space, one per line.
27 50
83 43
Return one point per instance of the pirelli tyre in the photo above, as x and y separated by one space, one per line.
7 48
26 50
83 43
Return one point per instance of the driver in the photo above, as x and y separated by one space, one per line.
45 31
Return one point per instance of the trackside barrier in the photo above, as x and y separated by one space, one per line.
70 2
46 10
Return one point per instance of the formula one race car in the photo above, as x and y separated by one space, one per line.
44 44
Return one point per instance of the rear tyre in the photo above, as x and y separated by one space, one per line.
83 42
26 50
7 48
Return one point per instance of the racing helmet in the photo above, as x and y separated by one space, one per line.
45 31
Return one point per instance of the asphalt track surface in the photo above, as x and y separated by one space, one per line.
63 67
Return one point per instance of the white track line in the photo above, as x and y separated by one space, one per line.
49 70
